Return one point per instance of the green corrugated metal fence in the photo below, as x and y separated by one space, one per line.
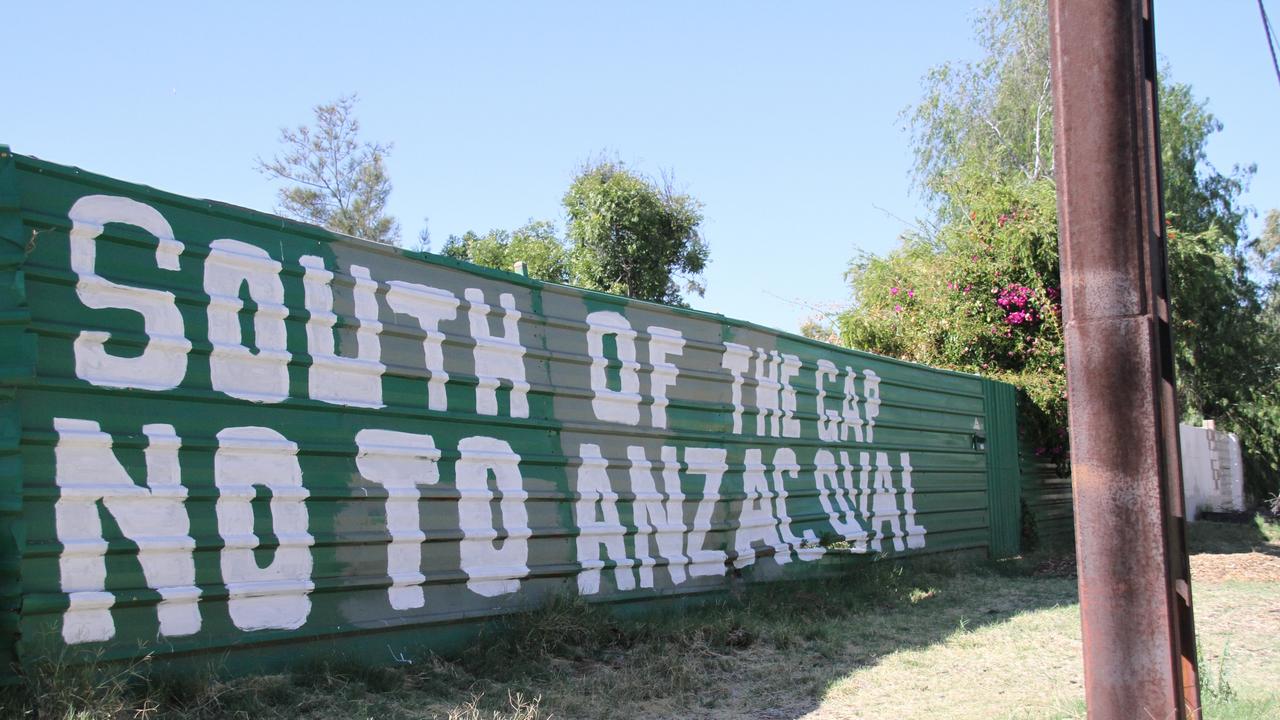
1004 494
1049 521
17 364
243 435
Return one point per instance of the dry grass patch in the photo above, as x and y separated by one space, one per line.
937 639
1029 666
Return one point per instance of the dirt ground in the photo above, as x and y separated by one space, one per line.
1262 567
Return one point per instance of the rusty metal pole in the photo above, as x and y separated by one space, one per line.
1135 591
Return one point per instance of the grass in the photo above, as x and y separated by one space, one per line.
937 639
1217 537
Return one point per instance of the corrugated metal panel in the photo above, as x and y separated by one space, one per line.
17 362
1047 494
248 434
1048 514
1003 474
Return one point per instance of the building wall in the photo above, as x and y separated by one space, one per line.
1212 472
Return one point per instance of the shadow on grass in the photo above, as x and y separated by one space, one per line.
769 650
1257 533
764 650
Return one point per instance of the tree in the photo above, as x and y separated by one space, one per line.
1266 250
629 236
979 295
1224 348
993 117
535 244
338 180
424 237
978 290
1197 197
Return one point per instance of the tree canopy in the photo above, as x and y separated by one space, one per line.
626 235
631 236
1266 249
978 289
991 118
535 244
336 179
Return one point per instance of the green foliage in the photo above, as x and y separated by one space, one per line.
1266 255
980 296
992 117
1226 329
626 235
1216 685
1258 417
978 291
338 181
1224 349
1196 195
629 236
1257 421
534 244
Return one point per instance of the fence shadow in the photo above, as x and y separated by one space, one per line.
769 650
1248 533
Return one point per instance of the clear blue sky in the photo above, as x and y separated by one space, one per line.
780 117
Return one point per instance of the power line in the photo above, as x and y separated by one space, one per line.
1271 41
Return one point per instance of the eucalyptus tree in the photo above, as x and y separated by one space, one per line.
334 178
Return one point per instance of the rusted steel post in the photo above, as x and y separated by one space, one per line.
1135 591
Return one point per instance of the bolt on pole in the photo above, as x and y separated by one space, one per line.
1135 586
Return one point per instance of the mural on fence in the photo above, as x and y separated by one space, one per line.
239 428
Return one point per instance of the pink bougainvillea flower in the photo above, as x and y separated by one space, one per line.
911 293
893 291
897 308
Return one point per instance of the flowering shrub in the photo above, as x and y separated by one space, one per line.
1016 299
981 296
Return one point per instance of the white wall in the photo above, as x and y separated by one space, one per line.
1212 474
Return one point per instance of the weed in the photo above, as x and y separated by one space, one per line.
70 686
565 627
519 707
919 595
1215 686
